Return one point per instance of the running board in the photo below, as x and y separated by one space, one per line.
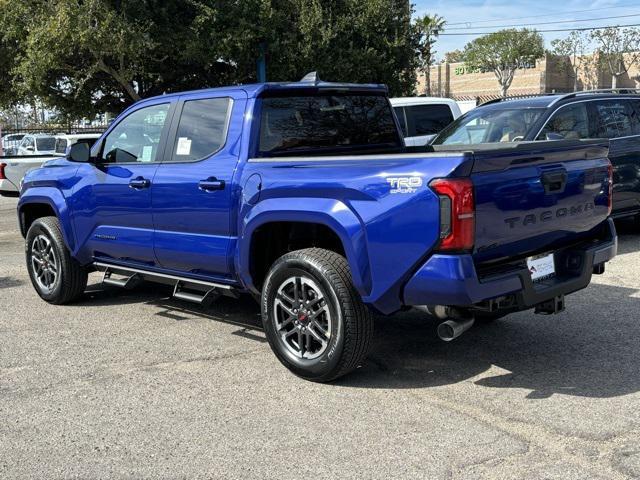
191 290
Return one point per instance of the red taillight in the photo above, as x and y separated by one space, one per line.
457 213
610 171
2 165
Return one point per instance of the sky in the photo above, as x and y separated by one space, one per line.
483 15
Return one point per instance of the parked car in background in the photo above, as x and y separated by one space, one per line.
38 144
64 142
16 167
421 118
304 194
575 116
466 105
10 143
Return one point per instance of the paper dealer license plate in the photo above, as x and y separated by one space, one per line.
541 267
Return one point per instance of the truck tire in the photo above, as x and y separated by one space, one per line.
57 277
313 316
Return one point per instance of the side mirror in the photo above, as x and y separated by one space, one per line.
30 149
79 152
553 136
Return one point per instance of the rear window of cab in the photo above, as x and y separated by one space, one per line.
326 123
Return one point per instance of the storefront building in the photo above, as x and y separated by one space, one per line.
551 74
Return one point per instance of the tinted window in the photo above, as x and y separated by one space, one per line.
202 129
570 122
635 116
613 119
61 145
490 125
399 111
427 119
46 143
136 138
326 123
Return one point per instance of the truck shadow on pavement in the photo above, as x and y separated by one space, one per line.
590 350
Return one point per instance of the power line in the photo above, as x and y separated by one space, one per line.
549 31
548 14
552 23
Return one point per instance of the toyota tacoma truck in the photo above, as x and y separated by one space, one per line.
304 195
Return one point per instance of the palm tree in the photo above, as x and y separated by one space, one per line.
428 29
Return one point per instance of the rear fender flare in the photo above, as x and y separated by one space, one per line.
332 213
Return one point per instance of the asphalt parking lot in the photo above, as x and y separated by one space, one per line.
137 385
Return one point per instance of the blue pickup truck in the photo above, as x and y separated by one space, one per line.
304 195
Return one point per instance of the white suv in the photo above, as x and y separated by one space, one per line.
422 118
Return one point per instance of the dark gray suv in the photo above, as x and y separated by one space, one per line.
581 115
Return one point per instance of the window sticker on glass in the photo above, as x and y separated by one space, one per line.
147 150
184 146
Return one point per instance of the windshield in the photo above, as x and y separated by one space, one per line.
490 126
326 123
46 144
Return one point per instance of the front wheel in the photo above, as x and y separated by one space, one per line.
55 274
313 316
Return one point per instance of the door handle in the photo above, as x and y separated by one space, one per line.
554 182
211 184
139 183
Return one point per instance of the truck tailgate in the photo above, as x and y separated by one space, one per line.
538 196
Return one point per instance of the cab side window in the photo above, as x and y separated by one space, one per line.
136 137
202 129
570 122
613 119
427 119
399 111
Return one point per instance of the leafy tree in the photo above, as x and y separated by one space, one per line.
428 29
88 56
455 56
574 48
503 53
619 50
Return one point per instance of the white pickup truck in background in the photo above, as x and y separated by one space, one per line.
422 118
14 167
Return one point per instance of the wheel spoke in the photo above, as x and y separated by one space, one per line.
290 333
315 334
296 289
301 343
283 297
317 313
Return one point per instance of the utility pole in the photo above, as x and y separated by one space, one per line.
261 63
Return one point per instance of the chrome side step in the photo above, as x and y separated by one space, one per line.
127 282
183 291
196 291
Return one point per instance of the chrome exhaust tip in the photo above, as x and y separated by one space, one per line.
452 329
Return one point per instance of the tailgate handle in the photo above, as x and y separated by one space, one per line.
554 182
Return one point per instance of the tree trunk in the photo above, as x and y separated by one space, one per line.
427 79
503 90
614 81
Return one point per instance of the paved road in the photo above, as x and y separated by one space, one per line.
136 385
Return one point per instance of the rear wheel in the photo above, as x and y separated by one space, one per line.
57 277
313 317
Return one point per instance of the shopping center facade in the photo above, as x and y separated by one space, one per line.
550 74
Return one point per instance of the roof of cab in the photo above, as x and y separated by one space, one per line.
256 89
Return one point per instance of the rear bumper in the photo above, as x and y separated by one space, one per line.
453 280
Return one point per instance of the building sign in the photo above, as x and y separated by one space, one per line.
464 70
